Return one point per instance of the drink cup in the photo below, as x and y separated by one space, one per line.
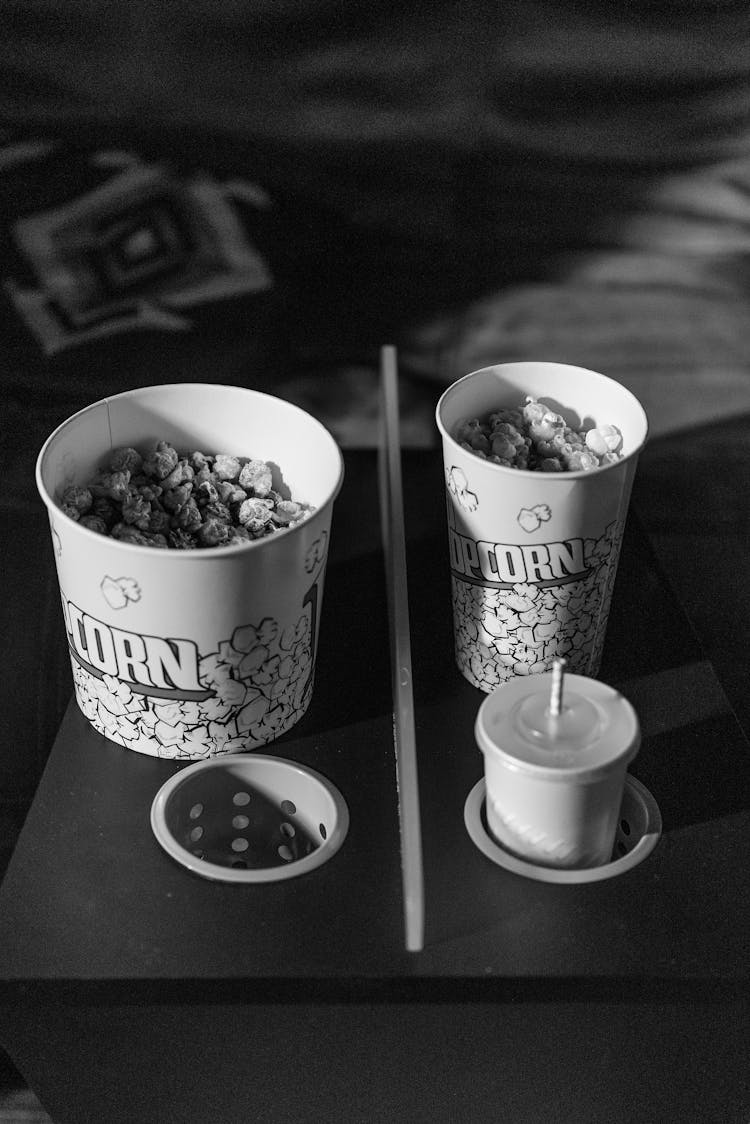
533 555
554 782
192 653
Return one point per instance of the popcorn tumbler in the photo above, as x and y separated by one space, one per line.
533 555
191 653
555 760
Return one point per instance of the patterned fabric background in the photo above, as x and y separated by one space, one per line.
470 182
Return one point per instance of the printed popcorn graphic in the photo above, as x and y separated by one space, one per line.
251 689
531 518
517 608
316 553
458 486
117 592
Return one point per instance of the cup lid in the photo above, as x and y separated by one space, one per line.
596 729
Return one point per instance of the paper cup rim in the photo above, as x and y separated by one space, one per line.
526 472
198 553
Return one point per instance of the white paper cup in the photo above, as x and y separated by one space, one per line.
191 653
554 786
533 555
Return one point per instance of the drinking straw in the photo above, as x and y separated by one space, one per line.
404 738
556 687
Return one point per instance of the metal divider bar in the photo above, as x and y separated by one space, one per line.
404 737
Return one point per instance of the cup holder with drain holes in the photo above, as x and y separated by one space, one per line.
249 818
638 831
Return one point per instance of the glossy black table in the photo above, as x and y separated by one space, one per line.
132 990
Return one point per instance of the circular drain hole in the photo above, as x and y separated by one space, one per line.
196 833
288 808
196 811
240 844
322 830
239 864
240 799
286 853
240 822
287 830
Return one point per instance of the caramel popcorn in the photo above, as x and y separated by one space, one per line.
166 499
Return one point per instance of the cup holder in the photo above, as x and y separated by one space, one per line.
638 831
249 818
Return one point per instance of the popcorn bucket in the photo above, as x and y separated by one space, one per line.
191 653
533 555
